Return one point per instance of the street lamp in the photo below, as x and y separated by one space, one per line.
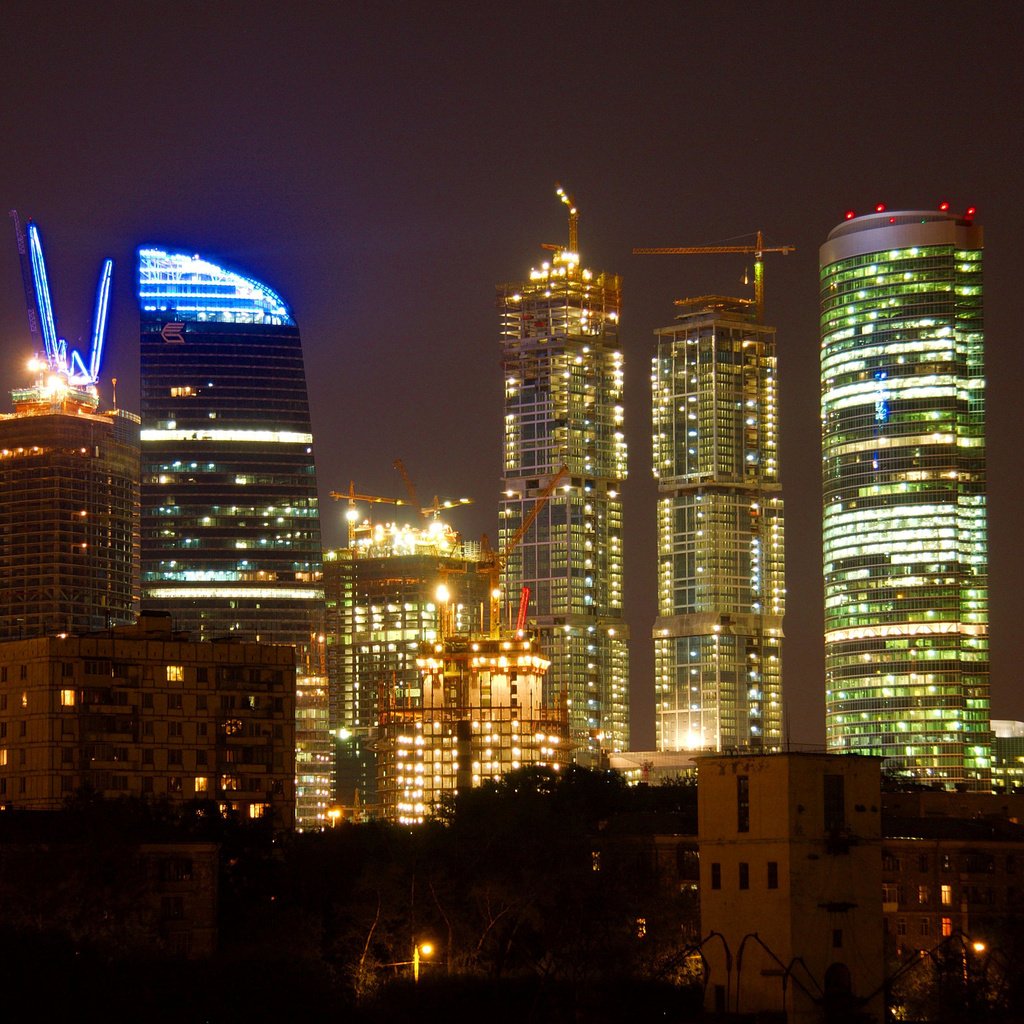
424 949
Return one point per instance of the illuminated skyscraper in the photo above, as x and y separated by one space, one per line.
903 457
384 600
69 514
69 479
721 578
563 406
230 520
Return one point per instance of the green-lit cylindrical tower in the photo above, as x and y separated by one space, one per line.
903 464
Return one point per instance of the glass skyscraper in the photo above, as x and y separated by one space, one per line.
721 568
230 517
903 458
563 406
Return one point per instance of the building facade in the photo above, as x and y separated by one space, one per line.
721 566
144 711
790 876
903 460
230 516
391 590
563 407
69 513
478 712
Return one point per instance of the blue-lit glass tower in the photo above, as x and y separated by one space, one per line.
230 518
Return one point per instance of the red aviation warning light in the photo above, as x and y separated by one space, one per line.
880 208
970 212
850 215
944 206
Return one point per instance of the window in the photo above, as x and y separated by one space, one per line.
201 757
24 693
743 803
923 894
744 875
901 926
67 669
174 702
201 702
147 757
922 862
174 729
202 784
947 927
147 700
147 728
595 860
67 698
172 908
174 756
641 922
3 756
947 895
773 874
174 784
924 926
716 876
201 676
175 674
835 803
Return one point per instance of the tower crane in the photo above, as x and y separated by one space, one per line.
352 497
433 510
758 250
574 224
494 562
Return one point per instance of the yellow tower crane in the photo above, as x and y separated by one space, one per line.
352 497
437 506
758 250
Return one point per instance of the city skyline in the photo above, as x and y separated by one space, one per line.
387 232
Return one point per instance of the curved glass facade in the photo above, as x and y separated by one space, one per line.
230 517
903 460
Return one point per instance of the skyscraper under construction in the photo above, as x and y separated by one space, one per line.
563 407
718 636
721 582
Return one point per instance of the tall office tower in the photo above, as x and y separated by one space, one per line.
69 513
721 566
563 407
230 520
392 589
903 459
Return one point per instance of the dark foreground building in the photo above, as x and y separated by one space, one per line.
143 711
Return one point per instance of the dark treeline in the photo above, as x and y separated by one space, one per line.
541 898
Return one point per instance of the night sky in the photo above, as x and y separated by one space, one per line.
384 165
